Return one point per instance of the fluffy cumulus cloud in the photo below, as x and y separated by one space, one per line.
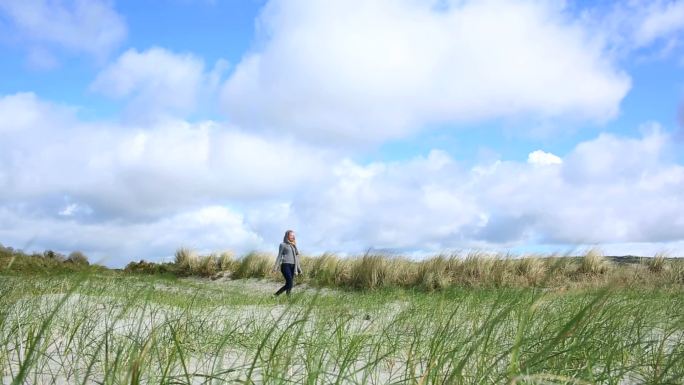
158 82
24 111
374 70
325 74
144 170
137 191
609 191
62 178
542 158
206 229
419 203
80 26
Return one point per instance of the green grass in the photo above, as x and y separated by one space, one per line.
129 329
449 319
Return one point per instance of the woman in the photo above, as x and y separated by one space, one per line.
288 260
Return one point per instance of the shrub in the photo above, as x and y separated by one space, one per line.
53 255
78 258
144 267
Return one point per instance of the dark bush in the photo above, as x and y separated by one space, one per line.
77 258
145 267
53 255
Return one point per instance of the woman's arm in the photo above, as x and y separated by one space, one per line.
279 257
298 269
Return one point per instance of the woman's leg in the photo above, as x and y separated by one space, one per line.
288 272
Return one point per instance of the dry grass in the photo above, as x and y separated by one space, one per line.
207 266
189 262
474 269
480 268
533 269
371 272
226 261
327 270
254 265
657 264
437 273
594 263
186 260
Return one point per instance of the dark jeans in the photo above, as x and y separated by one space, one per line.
288 270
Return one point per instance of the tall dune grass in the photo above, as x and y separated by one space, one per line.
473 269
254 265
436 273
377 271
657 264
226 261
594 263
372 272
327 270
186 260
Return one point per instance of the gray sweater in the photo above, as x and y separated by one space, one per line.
287 254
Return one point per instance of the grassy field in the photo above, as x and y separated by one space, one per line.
70 323
123 329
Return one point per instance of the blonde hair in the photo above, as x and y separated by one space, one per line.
285 237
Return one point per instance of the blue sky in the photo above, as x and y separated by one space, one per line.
131 128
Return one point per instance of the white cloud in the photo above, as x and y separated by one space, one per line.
81 26
127 191
158 81
419 203
24 111
608 190
609 158
206 229
599 194
73 209
143 191
373 70
662 19
639 25
143 171
542 158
